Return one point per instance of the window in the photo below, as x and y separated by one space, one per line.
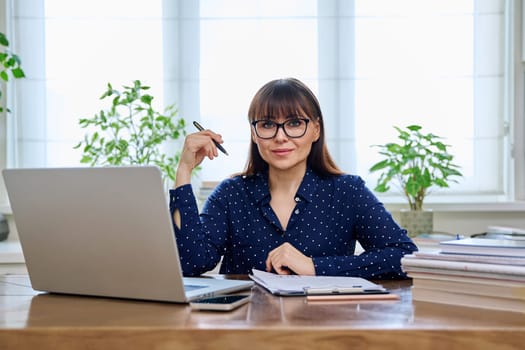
107 42
242 50
373 64
439 64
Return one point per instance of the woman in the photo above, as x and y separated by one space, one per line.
292 210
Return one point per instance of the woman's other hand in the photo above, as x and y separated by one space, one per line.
286 259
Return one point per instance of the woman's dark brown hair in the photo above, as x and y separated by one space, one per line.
285 97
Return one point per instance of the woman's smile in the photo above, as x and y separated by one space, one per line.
281 152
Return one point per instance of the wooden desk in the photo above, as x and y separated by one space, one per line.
43 321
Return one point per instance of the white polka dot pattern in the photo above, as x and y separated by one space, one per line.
331 214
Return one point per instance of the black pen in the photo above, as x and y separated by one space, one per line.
200 128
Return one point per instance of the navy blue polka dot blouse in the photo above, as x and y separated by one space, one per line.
330 215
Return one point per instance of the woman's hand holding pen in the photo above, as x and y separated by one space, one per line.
196 147
286 259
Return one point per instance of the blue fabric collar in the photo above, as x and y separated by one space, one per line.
258 184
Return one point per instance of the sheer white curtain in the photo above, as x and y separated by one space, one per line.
373 64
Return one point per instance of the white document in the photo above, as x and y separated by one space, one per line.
308 285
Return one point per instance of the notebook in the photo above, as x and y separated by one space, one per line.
102 231
485 246
315 285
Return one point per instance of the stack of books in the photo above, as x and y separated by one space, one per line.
474 272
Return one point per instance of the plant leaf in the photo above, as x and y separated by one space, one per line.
3 40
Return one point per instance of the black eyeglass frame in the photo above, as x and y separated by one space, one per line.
280 125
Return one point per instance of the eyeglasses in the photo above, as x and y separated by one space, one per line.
293 128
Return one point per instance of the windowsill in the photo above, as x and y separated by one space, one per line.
11 252
467 203
518 206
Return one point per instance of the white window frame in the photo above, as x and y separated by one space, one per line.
182 84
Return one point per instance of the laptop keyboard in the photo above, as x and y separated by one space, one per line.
191 287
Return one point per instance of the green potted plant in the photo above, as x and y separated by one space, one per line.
415 164
10 65
131 131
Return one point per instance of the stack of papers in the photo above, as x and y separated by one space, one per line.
314 285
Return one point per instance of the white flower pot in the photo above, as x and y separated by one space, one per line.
417 221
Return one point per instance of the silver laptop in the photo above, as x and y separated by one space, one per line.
102 231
